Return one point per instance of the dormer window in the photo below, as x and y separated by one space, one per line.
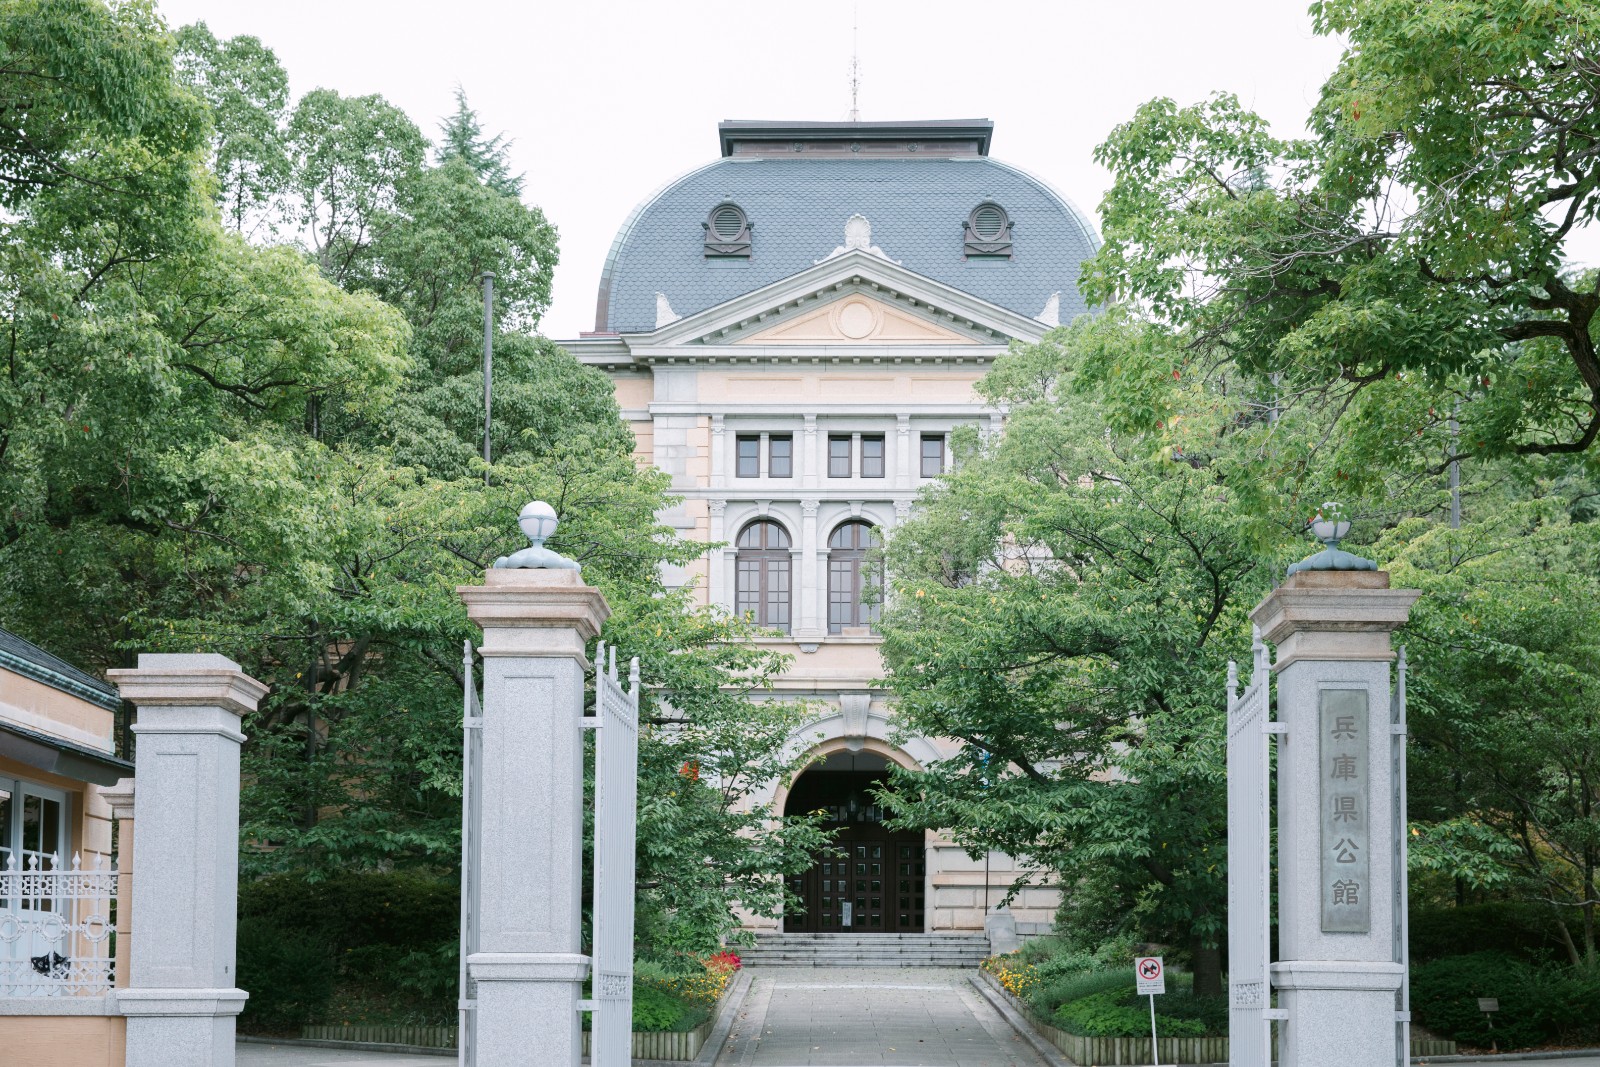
727 232
988 232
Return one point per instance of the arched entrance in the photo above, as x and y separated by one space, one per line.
871 879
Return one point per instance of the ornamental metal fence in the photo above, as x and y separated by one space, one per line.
57 922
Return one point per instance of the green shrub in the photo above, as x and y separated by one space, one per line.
1108 1014
1522 930
1539 1003
1050 994
1444 998
289 977
655 1011
383 939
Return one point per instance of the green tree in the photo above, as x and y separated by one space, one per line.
1404 263
1065 604
461 137
247 92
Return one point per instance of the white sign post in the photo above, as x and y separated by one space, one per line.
1151 978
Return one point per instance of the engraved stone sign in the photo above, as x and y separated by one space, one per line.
1343 796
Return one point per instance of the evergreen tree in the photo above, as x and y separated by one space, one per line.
461 137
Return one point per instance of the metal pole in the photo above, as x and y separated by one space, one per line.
1155 1055
1455 474
488 363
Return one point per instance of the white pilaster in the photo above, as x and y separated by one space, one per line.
807 596
182 996
529 967
719 453
716 559
811 458
1337 975
903 472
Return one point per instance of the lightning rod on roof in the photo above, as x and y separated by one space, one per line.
855 63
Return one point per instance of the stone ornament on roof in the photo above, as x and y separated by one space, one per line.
538 522
857 238
664 313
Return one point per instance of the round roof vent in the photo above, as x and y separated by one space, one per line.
727 231
989 221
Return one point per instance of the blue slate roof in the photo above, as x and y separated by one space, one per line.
29 660
797 208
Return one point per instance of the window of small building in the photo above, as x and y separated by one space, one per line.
33 827
872 456
932 455
852 589
839 456
763 565
780 456
749 456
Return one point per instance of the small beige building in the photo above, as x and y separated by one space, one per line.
57 951
794 330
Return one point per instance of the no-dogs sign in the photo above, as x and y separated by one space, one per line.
1151 976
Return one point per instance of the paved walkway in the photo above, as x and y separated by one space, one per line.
801 1016
251 1054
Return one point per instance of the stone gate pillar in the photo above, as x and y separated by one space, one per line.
182 998
1337 905
529 968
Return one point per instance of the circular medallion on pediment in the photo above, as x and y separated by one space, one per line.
856 319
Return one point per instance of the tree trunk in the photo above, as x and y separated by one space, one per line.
1207 969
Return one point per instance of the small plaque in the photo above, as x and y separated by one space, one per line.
1488 1004
1343 792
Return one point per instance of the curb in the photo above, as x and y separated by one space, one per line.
726 1013
1501 1057
1048 1052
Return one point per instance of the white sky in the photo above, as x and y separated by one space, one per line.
608 100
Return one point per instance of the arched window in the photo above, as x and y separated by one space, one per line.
763 565
848 579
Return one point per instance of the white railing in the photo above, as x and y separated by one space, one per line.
56 928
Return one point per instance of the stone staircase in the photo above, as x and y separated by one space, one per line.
865 950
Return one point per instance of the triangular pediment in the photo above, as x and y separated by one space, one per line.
855 319
851 299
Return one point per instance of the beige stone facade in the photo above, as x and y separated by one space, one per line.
854 359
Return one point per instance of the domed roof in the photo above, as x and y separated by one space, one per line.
917 191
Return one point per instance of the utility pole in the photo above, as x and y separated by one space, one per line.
1455 471
488 363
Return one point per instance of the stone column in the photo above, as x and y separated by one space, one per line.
119 798
529 968
1336 976
182 998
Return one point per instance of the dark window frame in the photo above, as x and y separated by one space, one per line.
739 458
848 548
763 567
841 466
882 457
773 457
940 458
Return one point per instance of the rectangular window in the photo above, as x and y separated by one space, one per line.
780 456
872 457
932 455
838 457
749 465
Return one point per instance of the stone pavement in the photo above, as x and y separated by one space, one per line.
798 1016
251 1054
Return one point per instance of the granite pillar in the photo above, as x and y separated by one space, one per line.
1336 977
529 967
181 998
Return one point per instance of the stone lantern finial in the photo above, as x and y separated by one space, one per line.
538 521
1329 525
